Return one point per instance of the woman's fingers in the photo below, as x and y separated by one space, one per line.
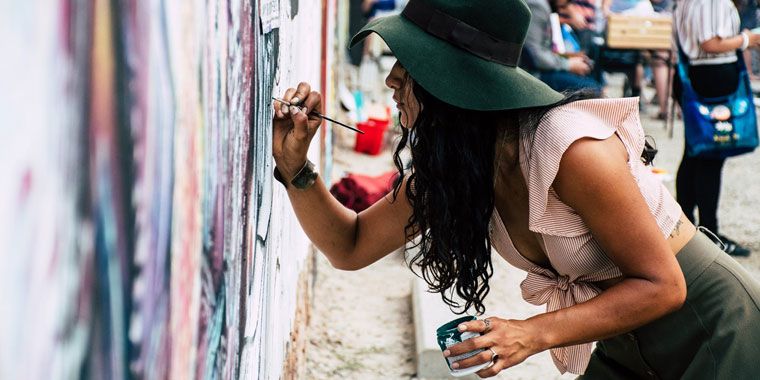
480 358
313 102
302 92
504 338
492 370
280 107
300 123
478 325
292 118
284 108
297 97
468 345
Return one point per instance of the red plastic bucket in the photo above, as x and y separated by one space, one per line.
371 142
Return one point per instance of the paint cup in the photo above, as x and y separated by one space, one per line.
371 142
448 335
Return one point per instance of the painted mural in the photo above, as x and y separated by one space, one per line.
140 230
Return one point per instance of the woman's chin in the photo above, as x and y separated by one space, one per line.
403 120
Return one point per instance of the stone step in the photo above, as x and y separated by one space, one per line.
429 313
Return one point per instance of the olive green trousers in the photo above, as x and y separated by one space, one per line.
715 335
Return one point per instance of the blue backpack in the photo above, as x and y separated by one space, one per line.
722 126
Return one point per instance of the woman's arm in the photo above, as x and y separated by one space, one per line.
717 45
714 31
349 240
594 179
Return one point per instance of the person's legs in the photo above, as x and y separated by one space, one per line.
710 81
698 185
702 175
660 71
638 77
698 178
707 179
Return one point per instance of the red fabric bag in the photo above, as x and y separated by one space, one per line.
358 191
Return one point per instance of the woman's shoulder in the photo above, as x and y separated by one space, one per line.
557 130
603 108
597 118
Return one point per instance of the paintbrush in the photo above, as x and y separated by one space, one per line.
315 113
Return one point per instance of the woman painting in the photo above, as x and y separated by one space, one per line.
554 183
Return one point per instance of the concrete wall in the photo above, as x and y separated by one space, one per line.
140 232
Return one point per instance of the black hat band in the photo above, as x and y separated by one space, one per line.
461 34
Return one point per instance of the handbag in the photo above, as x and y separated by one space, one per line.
718 127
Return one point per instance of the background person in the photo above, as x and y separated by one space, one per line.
708 33
562 73
659 60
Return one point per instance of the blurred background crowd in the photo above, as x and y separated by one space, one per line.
576 45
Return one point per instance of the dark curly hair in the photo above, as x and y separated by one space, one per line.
451 191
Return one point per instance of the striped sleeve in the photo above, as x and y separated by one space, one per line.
716 19
559 129
697 21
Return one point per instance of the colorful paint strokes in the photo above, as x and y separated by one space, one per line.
140 232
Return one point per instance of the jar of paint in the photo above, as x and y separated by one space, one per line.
448 335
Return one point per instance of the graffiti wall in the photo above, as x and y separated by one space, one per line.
140 230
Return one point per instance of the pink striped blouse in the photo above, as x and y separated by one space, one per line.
576 258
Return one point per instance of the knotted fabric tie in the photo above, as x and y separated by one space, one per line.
543 286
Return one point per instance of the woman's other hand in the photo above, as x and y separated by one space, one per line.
512 340
294 128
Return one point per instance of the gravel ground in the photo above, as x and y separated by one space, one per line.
361 326
361 322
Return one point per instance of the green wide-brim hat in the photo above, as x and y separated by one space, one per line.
465 52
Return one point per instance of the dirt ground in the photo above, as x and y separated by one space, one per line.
361 326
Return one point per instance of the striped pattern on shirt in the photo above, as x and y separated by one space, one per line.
577 260
697 21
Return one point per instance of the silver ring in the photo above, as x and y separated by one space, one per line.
488 325
494 355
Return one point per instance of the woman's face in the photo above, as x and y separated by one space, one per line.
407 104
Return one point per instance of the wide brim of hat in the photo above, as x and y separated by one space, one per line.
456 76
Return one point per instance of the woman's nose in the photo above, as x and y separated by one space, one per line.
393 80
